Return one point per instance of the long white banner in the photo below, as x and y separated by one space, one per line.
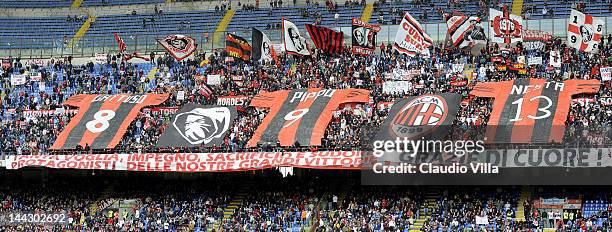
191 162
243 161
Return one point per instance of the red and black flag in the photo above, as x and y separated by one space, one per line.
238 47
326 39
120 42
426 116
300 115
529 110
206 91
102 119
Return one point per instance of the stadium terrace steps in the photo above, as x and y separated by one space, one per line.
76 4
367 12
236 201
520 210
426 210
81 32
225 21
94 207
517 7
152 73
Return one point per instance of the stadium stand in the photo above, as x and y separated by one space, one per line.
67 3
32 116
199 22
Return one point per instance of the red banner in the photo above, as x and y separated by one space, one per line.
497 59
192 162
536 35
459 83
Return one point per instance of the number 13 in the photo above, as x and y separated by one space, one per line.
544 109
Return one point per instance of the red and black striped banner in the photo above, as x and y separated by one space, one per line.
238 47
326 39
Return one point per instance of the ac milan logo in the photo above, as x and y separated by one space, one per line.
419 116
506 27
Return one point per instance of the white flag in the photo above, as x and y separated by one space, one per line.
505 27
410 38
584 31
294 42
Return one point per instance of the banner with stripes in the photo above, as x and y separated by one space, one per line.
411 38
325 39
464 31
120 42
238 47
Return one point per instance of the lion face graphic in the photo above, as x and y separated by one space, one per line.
202 125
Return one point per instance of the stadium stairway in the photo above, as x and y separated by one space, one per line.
425 212
94 207
76 4
81 32
152 73
367 12
517 7
222 27
520 209
236 201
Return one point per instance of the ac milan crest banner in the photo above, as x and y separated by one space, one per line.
465 31
505 27
179 46
325 39
294 42
198 125
420 117
364 37
410 38
584 31
238 47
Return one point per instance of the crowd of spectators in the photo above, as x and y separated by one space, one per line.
589 121
267 201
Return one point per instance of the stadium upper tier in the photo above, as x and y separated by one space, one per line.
52 32
67 3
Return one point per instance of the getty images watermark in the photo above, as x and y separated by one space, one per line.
399 156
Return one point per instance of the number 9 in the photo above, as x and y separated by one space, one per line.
293 117
573 39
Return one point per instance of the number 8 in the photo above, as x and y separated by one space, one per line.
100 118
